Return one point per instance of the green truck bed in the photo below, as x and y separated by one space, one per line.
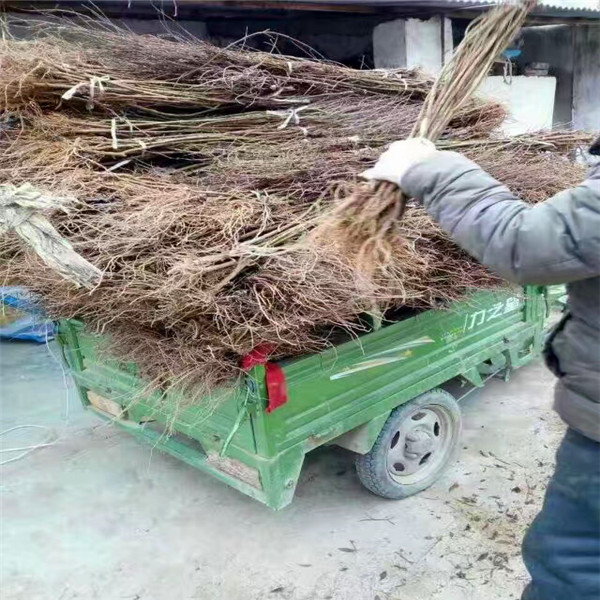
350 395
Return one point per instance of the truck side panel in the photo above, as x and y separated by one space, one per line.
338 390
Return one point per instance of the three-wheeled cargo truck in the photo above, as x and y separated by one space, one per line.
378 395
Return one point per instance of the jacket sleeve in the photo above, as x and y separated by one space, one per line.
556 241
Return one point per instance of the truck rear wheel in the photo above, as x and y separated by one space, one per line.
416 444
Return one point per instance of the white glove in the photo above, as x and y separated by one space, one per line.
399 158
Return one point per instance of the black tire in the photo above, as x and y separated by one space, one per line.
408 456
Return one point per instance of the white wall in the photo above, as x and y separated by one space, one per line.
529 100
448 40
424 44
411 43
389 45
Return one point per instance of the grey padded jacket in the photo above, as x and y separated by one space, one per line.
557 241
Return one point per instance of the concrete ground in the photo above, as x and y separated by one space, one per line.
98 515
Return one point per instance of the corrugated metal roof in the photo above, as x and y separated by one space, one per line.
567 5
546 8
554 7
572 4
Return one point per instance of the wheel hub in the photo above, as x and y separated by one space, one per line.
418 444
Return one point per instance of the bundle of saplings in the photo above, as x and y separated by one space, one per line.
190 176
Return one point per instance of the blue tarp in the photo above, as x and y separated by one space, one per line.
31 323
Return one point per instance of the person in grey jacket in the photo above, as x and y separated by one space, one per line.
557 241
